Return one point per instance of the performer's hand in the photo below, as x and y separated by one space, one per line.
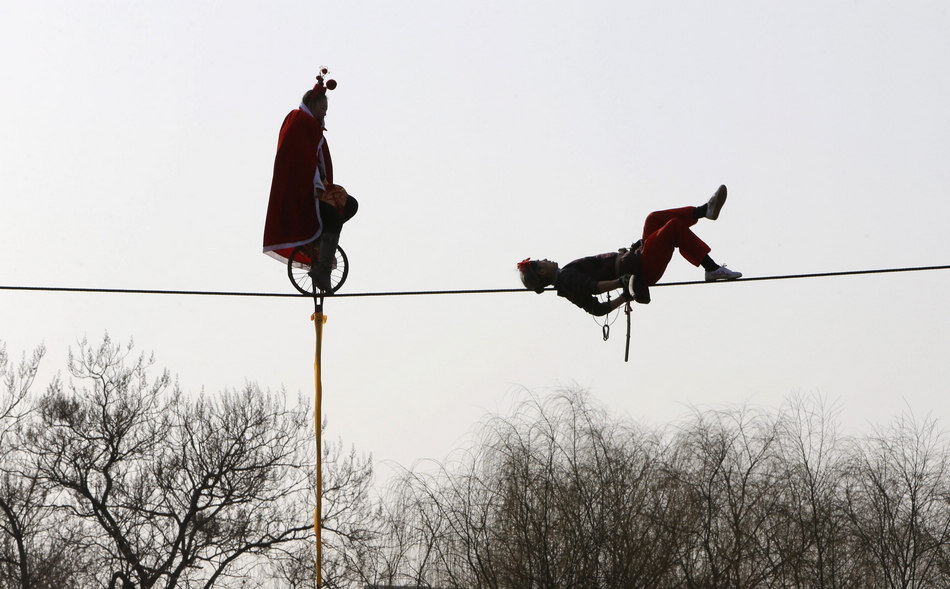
625 287
319 188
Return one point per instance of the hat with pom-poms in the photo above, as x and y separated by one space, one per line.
321 87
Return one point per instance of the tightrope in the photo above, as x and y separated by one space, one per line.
471 291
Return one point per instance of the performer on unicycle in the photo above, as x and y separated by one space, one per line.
305 205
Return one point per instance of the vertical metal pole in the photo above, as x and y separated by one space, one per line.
318 319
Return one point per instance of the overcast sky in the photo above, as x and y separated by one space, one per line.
138 145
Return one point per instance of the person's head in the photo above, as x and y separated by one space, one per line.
317 104
316 98
536 275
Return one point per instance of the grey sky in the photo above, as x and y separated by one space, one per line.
139 138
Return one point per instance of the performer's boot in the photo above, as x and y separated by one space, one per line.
328 243
714 205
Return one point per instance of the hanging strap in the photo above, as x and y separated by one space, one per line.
626 353
620 254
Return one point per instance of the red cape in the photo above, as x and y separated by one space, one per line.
293 217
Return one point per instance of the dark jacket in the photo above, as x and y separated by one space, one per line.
577 281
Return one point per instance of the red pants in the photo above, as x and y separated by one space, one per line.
664 231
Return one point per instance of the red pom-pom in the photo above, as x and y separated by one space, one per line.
331 84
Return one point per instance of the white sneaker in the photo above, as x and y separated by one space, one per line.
714 205
722 273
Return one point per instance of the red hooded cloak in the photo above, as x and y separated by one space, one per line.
301 168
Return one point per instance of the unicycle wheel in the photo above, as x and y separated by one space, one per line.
301 262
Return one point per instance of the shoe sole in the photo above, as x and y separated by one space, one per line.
724 279
720 200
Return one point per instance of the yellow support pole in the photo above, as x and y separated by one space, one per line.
318 319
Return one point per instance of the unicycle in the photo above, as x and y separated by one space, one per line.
302 259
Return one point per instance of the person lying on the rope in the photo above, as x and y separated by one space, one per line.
632 270
305 205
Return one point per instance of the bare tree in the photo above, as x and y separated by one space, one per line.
349 527
561 495
16 383
36 542
183 492
728 467
116 478
898 500
819 541
16 497
555 496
